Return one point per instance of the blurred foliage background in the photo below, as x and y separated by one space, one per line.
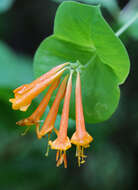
112 157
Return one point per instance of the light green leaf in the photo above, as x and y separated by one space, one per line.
110 5
14 70
5 5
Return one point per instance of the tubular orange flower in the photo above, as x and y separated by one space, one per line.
34 119
62 143
25 94
24 88
80 138
51 117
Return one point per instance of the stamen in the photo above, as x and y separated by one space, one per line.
57 155
60 153
47 151
37 130
61 158
60 161
78 147
82 161
76 151
25 132
80 155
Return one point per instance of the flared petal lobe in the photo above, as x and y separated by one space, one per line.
34 119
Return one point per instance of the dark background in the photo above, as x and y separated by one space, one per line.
112 157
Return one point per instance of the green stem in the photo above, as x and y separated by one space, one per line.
125 27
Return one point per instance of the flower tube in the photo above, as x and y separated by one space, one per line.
80 138
62 143
51 117
26 87
23 101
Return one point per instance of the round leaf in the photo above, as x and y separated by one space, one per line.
81 34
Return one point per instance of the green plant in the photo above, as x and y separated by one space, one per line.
84 46
85 39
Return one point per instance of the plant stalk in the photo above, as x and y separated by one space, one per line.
126 26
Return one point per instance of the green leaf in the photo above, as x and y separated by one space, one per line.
102 82
5 5
110 5
15 71
81 34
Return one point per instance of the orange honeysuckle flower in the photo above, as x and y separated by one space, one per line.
80 138
34 119
27 92
51 117
23 101
26 87
62 143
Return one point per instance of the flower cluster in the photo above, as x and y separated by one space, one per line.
26 93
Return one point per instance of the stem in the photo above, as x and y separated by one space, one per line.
125 27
